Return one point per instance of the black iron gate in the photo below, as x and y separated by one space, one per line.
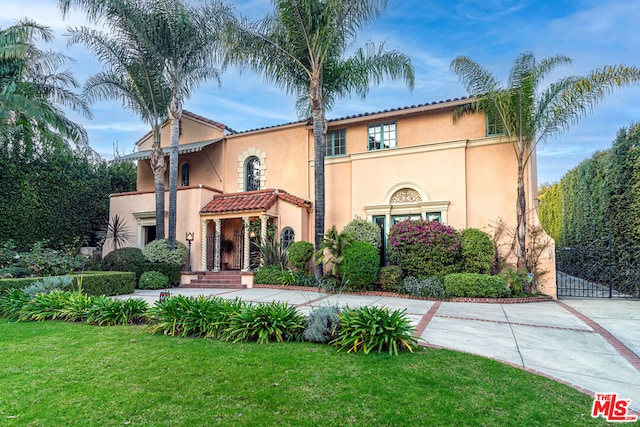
607 271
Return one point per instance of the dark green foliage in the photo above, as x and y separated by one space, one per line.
390 277
60 196
6 284
474 285
360 266
424 248
477 251
430 287
273 321
172 271
44 261
272 254
45 306
269 275
300 253
14 272
516 279
364 231
107 283
323 324
125 259
331 252
374 328
153 280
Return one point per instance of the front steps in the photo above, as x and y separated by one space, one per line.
226 279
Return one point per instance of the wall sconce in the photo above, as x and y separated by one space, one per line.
189 238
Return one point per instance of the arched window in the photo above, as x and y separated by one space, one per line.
184 175
287 237
252 174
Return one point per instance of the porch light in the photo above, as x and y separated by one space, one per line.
189 238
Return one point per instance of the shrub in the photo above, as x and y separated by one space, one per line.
44 306
172 271
125 259
516 279
8 253
153 280
111 311
106 283
44 261
332 248
364 231
6 284
11 302
477 251
14 272
360 265
277 321
323 324
424 248
390 276
76 307
300 253
430 287
370 328
476 285
159 251
269 275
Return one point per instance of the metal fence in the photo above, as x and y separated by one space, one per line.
598 272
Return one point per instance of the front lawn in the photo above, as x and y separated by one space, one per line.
62 374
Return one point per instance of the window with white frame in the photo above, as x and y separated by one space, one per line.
494 124
335 143
382 136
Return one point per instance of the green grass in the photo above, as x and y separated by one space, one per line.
65 374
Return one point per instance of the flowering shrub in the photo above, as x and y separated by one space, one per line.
424 248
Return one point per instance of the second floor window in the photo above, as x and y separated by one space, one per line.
184 175
252 174
382 136
494 125
335 143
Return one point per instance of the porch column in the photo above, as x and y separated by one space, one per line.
216 252
203 245
246 260
263 229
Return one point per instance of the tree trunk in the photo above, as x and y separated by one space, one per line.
521 221
174 116
158 166
318 151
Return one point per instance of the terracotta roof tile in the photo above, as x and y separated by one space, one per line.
260 200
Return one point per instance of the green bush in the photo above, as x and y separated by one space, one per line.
430 287
374 328
106 283
172 271
49 284
424 248
300 253
269 275
360 266
364 231
476 285
44 306
44 261
158 251
323 324
111 311
277 321
14 272
6 284
477 251
153 280
11 302
125 259
390 277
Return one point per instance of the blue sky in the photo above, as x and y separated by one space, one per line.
432 32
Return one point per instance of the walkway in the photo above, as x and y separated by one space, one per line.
591 345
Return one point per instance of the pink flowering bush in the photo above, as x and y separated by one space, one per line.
424 248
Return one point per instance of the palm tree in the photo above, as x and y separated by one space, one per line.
188 41
32 91
301 48
131 74
528 113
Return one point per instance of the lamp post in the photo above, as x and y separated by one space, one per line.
189 238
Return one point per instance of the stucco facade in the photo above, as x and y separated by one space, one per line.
387 166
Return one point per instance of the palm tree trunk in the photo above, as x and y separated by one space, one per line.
158 166
521 221
174 115
318 151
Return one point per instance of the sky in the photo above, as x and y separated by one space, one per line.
593 33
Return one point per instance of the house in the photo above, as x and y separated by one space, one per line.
386 166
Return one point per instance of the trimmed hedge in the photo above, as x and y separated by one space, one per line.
360 266
475 285
172 271
153 280
300 253
477 251
93 282
269 275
